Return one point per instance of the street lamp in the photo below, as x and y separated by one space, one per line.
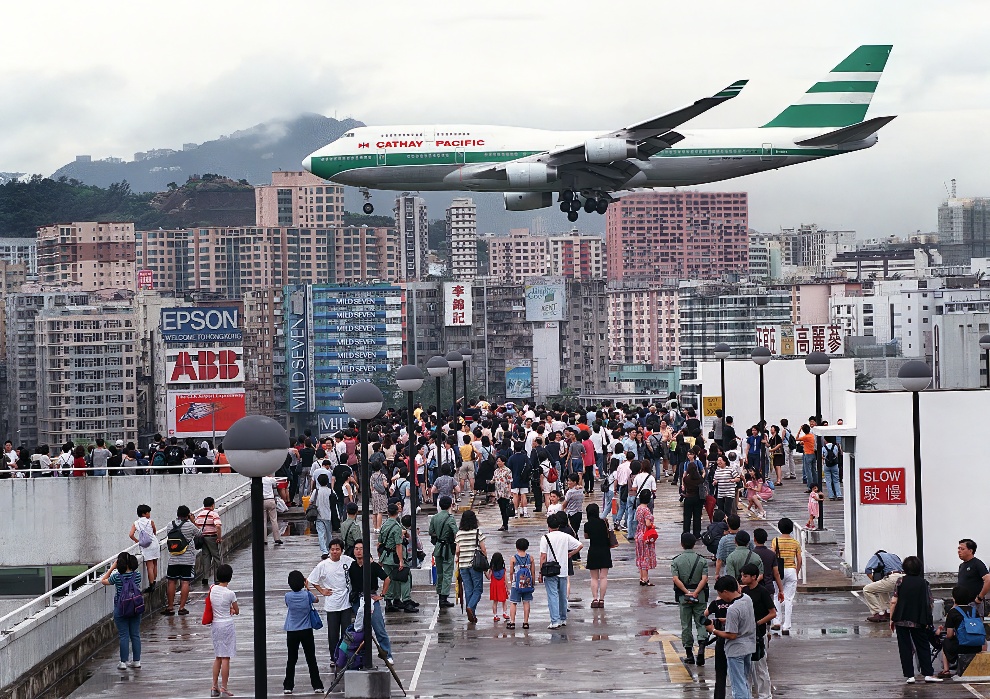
817 363
722 352
455 360
985 346
255 447
364 401
916 376
761 355
467 354
410 378
437 367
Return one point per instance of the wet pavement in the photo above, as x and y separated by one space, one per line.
632 647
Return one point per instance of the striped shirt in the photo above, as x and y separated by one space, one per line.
467 542
117 578
788 549
724 481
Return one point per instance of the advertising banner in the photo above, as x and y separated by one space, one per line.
332 423
545 301
882 486
456 304
201 414
299 350
800 340
145 279
204 365
220 324
518 378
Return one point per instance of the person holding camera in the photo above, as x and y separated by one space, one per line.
690 573
738 634
555 548
884 569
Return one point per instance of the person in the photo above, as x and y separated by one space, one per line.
599 554
502 480
299 631
954 654
557 546
714 533
757 492
269 485
777 446
379 496
765 612
181 562
356 574
973 575
632 498
573 500
519 464
739 634
554 504
144 527
497 591
125 568
910 617
522 573
742 556
814 509
884 570
806 442
100 456
350 529
322 495
789 550
689 571
727 544
224 603
329 578
393 560
771 575
831 459
446 485
465 472
468 540
623 474
725 479
443 532
646 549
208 522
693 504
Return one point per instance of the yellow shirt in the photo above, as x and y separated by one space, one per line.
788 549
467 452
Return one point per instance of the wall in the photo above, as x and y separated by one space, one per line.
84 520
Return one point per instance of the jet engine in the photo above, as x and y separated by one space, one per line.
608 150
527 201
529 174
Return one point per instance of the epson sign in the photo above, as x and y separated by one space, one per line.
220 324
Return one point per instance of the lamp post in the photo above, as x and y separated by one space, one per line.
722 352
985 346
455 361
916 376
761 355
817 363
467 353
437 367
256 446
364 401
410 379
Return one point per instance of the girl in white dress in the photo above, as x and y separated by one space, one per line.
145 534
224 603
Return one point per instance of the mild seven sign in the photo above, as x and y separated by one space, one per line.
220 324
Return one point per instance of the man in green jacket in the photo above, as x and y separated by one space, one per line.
690 573
398 598
443 530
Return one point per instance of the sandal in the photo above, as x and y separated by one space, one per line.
526 626
214 692
510 625
646 583
225 692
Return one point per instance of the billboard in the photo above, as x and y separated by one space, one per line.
546 301
220 324
145 279
793 340
193 365
456 304
299 350
332 423
201 413
518 378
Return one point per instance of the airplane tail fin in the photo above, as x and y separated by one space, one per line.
842 97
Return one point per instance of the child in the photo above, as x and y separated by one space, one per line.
299 630
522 575
144 528
224 603
754 495
555 504
953 654
496 585
814 497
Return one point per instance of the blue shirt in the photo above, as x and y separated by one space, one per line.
297 616
891 563
517 462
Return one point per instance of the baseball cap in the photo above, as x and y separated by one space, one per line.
119 443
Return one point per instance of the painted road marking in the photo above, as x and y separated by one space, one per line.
972 691
419 663
818 562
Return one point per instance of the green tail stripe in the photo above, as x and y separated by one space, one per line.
845 86
819 115
865 59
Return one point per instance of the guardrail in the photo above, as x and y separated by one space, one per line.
57 471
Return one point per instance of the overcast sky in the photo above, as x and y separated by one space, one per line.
112 78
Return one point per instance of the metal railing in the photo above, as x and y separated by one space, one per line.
58 471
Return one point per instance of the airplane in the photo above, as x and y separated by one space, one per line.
590 170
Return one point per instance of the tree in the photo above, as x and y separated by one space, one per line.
865 381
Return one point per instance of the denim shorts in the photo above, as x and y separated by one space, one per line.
516 596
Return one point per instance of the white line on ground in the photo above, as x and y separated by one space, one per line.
973 691
436 616
818 562
855 594
422 659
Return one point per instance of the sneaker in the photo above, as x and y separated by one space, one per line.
932 678
553 626
909 680
279 542
319 690
878 618
286 691
121 665
135 664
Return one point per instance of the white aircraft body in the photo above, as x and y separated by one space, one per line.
590 169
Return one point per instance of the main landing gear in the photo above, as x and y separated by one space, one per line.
570 203
368 207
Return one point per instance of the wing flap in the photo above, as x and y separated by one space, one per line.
848 134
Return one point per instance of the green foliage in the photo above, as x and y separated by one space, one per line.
353 219
437 233
865 381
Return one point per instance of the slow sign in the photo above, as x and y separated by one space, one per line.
882 486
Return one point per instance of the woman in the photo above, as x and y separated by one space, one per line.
388 448
502 479
485 471
910 619
590 462
693 503
599 554
298 629
646 551
776 445
754 450
756 494
468 540
725 479
79 461
379 495
128 628
224 604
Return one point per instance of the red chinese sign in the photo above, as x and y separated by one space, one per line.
457 303
882 486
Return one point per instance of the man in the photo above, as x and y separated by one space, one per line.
884 569
181 560
356 573
100 457
787 548
443 530
622 476
330 579
519 465
208 522
727 544
322 495
973 574
771 575
690 573
557 546
174 454
350 530
307 454
764 611
393 560
787 436
742 556
809 471
729 439
739 635
268 494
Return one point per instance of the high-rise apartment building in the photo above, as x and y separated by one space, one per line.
91 255
299 200
462 239
643 325
20 251
812 248
264 353
668 236
584 356
516 256
576 256
413 230
963 229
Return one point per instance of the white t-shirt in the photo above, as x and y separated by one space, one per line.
221 598
332 575
268 487
562 544
189 465
553 509
644 480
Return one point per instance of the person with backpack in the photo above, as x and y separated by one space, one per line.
522 574
181 560
392 557
174 454
144 533
831 458
401 491
910 617
741 556
884 569
690 574
128 606
965 635
714 532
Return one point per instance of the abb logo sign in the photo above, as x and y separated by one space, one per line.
199 366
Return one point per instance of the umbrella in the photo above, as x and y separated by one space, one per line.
391 668
460 590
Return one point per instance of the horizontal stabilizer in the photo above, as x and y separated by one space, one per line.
849 134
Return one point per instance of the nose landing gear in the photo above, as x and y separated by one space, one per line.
368 207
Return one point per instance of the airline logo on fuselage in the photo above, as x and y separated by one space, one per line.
463 143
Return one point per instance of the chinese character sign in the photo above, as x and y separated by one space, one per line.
767 336
882 486
818 338
456 303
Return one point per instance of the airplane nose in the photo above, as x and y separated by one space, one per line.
307 163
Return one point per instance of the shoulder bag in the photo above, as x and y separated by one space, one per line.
613 540
678 593
315 618
198 538
780 561
550 569
479 561
313 510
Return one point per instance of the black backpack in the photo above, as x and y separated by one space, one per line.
176 542
174 456
831 455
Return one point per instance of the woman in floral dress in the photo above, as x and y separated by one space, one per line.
503 490
379 495
646 549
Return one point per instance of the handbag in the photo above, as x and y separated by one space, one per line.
479 562
650 535
780 561
313 511
280 505
315 619
198 538
613 540
208 609
550 569
400 575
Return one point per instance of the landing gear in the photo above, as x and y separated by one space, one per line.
590 206
572 216
567 194
368 207
592 201
565 206
575 206
601 206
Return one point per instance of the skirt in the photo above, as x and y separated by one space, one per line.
224 639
